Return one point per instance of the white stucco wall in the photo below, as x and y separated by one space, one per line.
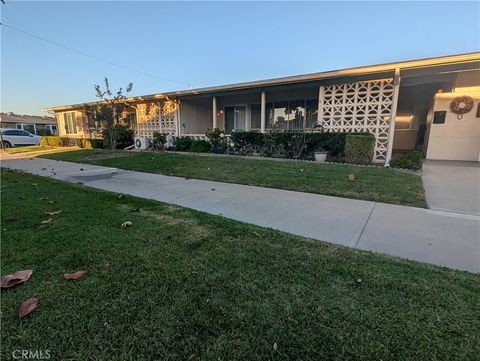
456 139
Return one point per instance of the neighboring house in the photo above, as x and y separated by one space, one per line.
406 105
31 123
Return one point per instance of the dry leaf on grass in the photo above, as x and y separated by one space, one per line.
27 307
11 219
74 276
16 278
46 221
137 210
126 224
351 177
54 213
51 202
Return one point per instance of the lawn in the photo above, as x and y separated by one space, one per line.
371 183
180 284
28 149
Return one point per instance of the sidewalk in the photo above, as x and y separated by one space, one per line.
443 238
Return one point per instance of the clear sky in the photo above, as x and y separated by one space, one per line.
212 43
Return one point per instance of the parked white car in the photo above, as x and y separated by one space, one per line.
18 137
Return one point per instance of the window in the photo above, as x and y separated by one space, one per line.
13 132
291 114
29 128
255 116
70 123
312 112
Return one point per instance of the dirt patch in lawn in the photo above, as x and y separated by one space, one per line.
105 155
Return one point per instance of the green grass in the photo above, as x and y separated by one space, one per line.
28 149
372 183
187 285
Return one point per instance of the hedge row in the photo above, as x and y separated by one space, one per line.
187 144
411 160
290 144
57 141
359 148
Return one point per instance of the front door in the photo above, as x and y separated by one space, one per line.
235 118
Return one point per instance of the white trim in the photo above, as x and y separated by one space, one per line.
214 113
262 112
391 131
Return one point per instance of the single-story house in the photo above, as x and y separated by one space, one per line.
40 125
427 104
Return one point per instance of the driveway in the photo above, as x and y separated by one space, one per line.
452 186
442 238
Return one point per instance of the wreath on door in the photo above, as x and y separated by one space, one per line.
461 105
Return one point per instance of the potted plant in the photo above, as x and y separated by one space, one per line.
320 155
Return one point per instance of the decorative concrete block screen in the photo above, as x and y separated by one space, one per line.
156 117
364 106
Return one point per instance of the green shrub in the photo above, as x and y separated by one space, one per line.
183 144
359 148
201 146
218 141
292 144
56 141
159 140
123 137
88 143
411 160
83 143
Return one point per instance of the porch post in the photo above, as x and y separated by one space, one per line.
214 110
262 113
391 131
321 92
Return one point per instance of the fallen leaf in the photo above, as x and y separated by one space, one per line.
15 278
120 196
44 169
126 224
27 307
74 276
11 218
54 213
46 221
351 177
34 184
105 266
213 189
359 280
82 169
137 210
51 202
275 346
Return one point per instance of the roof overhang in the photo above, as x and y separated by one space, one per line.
421 66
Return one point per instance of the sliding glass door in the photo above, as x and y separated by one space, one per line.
235 118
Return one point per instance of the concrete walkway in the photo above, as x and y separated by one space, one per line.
452 185
442 238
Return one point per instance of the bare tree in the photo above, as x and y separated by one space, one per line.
109 111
